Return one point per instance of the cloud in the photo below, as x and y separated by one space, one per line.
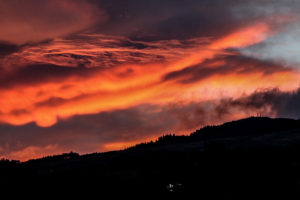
271 102
96 50
157 20
175 19
34 152
125 127
33 21
7 48
43 73
103 131
225 64
282 47
94 75
41 89
128 125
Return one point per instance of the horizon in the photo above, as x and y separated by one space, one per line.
99 75
133 145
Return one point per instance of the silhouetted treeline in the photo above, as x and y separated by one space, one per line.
254 158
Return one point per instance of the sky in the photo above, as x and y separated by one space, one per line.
100 75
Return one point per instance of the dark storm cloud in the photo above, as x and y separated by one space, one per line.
268 102
139 19
7 48
41 73
222 65
177 19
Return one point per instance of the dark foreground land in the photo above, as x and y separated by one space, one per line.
254 158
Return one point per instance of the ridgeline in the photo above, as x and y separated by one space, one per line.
253 158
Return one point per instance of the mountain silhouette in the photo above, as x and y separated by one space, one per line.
253 158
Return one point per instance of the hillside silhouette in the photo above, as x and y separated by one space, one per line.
253 158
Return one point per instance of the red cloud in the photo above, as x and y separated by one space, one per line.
33 20
44 93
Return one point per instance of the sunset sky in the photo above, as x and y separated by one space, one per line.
99 75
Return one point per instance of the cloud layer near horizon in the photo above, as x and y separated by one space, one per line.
108 74
126 127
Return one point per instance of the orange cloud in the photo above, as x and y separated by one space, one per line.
127 85
244 37
34 152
